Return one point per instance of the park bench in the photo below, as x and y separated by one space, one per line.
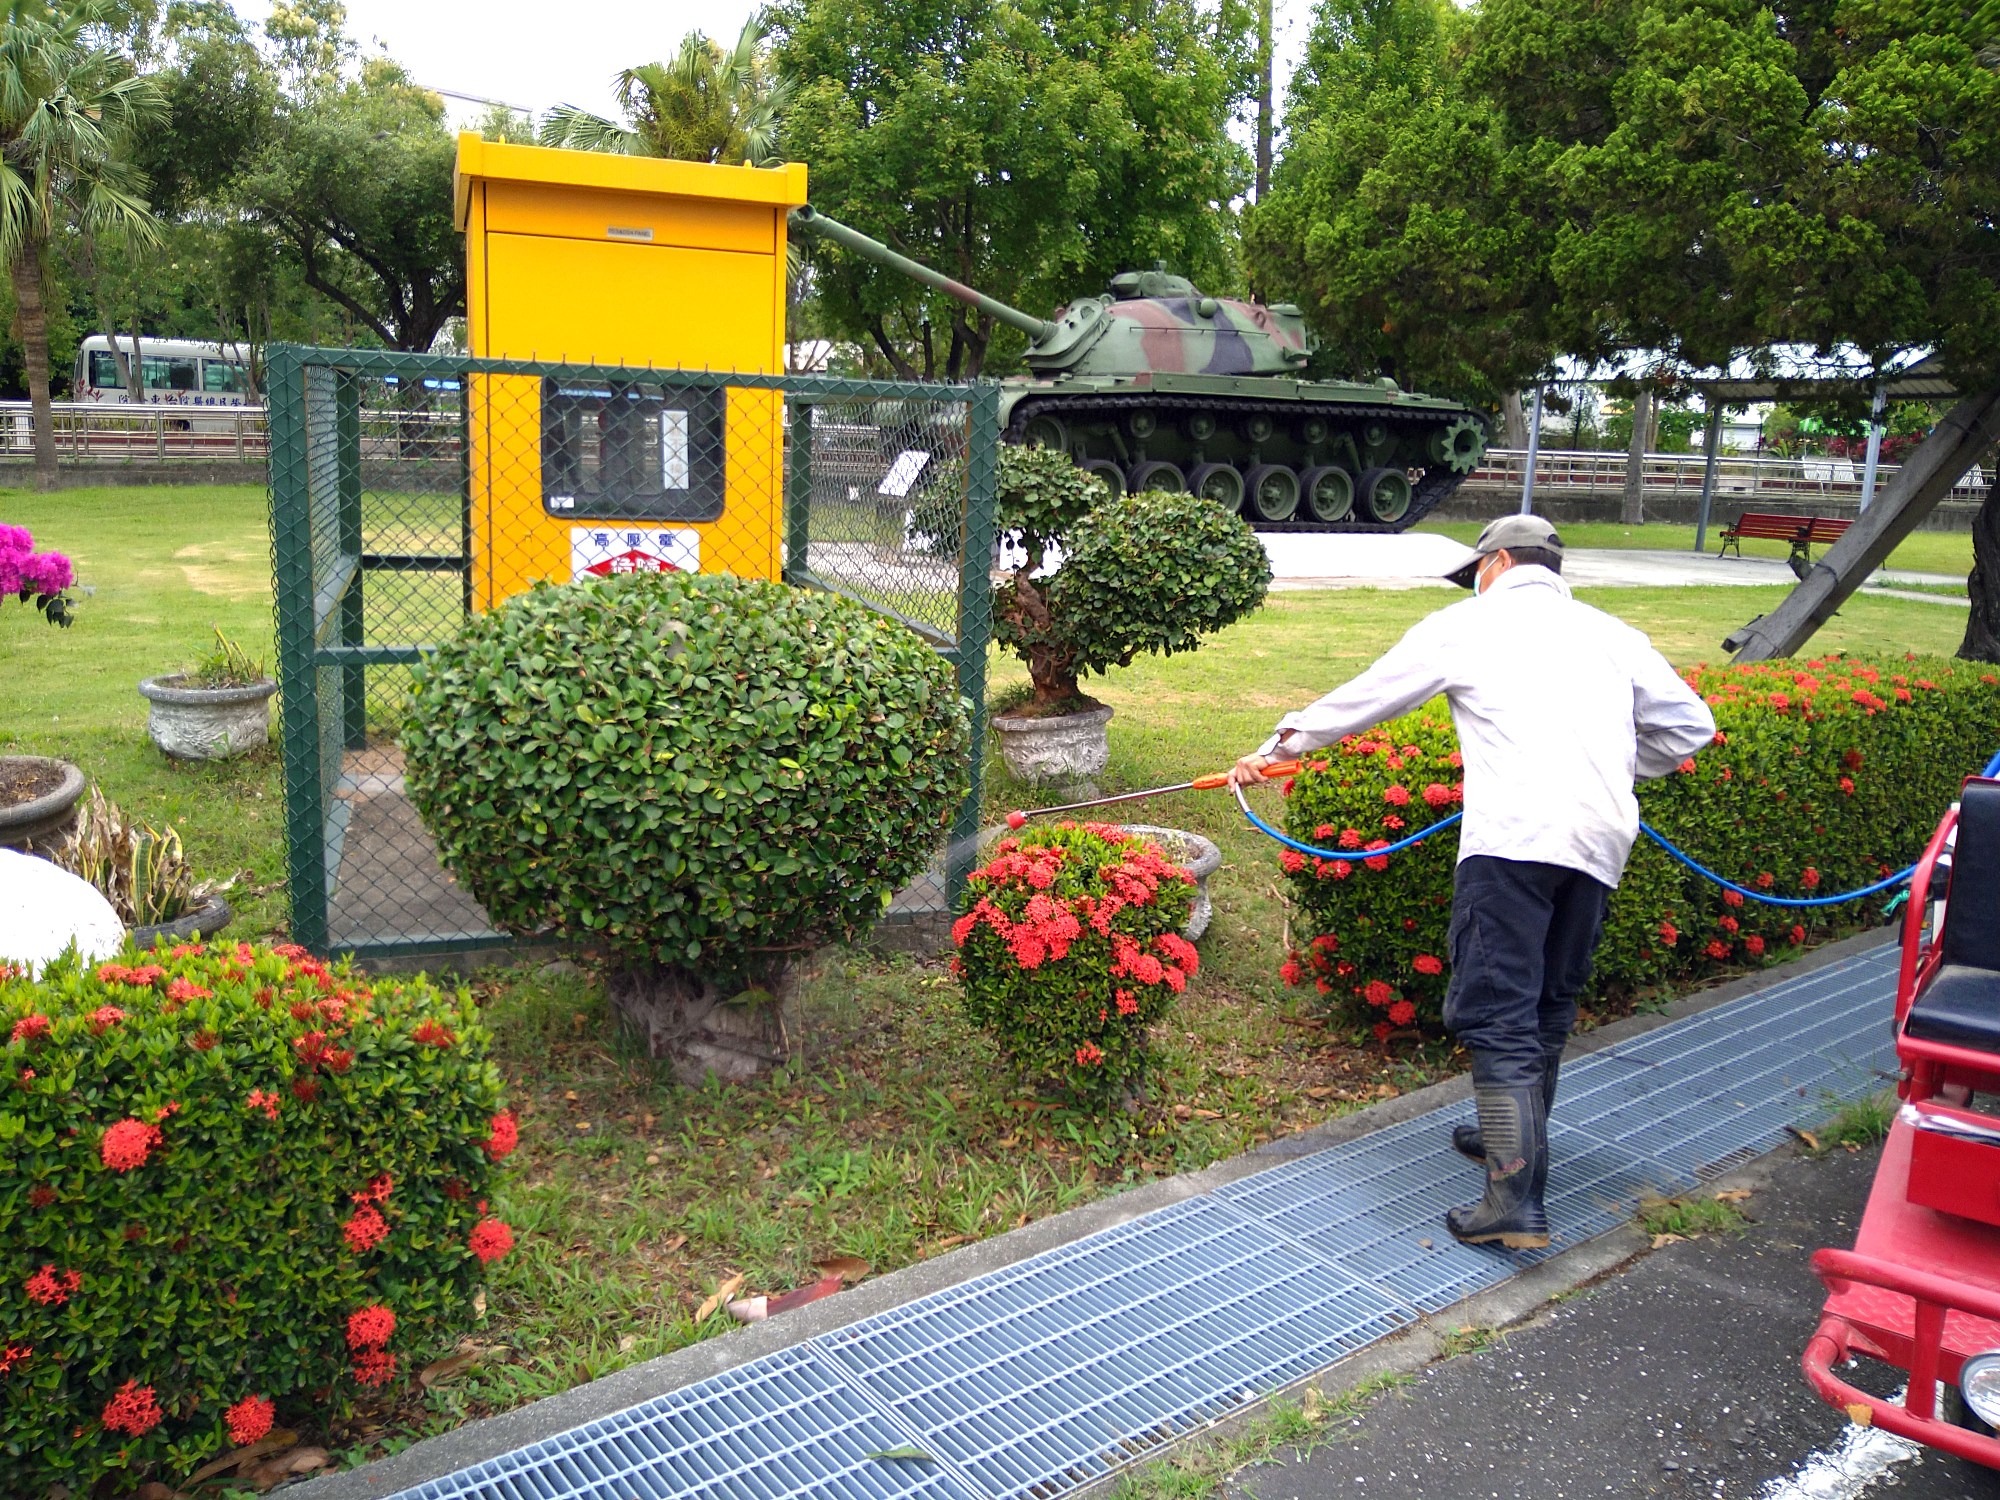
1801 531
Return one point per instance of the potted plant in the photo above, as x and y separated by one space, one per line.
144 873
1153 572
1069 949
217 708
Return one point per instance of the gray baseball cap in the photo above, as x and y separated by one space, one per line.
1505 535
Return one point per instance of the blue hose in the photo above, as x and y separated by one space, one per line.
1887 882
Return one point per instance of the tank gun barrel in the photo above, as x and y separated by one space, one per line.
811 220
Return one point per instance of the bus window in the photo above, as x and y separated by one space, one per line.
220 375
169 374
104 374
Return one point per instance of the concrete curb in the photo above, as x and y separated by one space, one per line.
1409 1349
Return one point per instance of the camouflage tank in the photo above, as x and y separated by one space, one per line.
1157 386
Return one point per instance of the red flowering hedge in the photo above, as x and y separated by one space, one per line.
1069 949
1826 775
235 1185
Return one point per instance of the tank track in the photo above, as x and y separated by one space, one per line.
1425 493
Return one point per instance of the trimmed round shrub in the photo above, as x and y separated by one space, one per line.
1069 949
1825 775
238 1186
1144 574
700 774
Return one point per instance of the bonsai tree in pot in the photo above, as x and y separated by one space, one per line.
699 777
1147 573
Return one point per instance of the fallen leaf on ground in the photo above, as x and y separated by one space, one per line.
284 1466
1183 1112
1860 1414
1324 1091
1312 1405
1661 1240
153 1490
1811 1140
271 1442
908 1453
826 1286
570 1094
722 1294
444 1369
1423 1244
1208 1114
627 1343
479 1303
947 1242
849 1268
673 1244
653 1160
1304 1023
1732 1195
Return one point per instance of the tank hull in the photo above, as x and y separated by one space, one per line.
1290 455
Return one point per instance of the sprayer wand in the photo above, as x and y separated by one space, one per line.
1199 784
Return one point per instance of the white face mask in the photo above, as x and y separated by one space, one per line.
1479 578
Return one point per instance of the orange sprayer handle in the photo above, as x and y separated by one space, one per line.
1271 773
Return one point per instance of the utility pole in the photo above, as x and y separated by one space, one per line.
1264 107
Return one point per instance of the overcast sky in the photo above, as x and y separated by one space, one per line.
533 54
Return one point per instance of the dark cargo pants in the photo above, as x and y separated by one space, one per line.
1522 936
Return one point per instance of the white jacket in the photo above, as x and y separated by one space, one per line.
1558 708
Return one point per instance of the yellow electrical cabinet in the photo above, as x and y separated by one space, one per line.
579 258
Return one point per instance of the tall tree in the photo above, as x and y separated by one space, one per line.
69 103
1030 148
356 186
711 104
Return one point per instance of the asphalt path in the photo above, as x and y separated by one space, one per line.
1677 1376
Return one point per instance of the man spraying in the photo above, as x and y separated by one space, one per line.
1558 707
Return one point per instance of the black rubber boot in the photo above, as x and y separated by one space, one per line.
1510 1215
1465 1139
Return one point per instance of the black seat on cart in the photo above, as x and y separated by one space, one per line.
1961 1007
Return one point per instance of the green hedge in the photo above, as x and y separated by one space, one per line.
235 1184
1826 775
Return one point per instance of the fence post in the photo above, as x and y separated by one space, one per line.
975 622
465 492
298 701
1710 443
798 484
353 609
1534 451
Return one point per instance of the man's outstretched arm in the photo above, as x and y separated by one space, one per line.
1409 674
1668 716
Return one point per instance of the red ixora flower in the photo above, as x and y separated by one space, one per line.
492 1238
104 1018
41 1195
503 1135
29 1029
1754 946
1798 935
127 1144
377 1191
14 1354
365 1230
132 1410
187 989
373 1367
370 1327
1293 861
250 1419
1717 949
1427 963
1089 1055
1402 1013
1809 877
1290 972
1378 992
1669 934
1732 898
1437 794
52 1288
265 1100
431 1034
1396 795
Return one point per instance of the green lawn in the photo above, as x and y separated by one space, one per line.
1922 552
895 1134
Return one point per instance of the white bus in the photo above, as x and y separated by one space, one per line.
174 372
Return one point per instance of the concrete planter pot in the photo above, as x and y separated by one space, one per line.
204 921
42 820
1195 854
1063 748
193 723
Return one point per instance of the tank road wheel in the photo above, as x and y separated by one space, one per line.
1374 435
1155 474
1274 492
1385 495
1458 445
1104 469
1201 426
1046 430
1222 483
1259 426
1142 424
1329 493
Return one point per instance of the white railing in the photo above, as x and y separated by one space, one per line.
94 432
1737 477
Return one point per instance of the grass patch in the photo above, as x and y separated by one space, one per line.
1468 1339
1858 1123
1690 1217
1920 552
1941 590
1203 1468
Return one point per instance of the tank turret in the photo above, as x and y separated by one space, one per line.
1156 385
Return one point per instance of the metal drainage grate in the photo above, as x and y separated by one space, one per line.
1057 1371
781 1427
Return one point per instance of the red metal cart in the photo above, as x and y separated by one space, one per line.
1920 1290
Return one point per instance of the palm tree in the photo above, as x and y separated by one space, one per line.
68 102
708 104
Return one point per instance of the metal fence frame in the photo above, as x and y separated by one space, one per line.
323 657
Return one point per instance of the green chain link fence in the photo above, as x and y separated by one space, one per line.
408 491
